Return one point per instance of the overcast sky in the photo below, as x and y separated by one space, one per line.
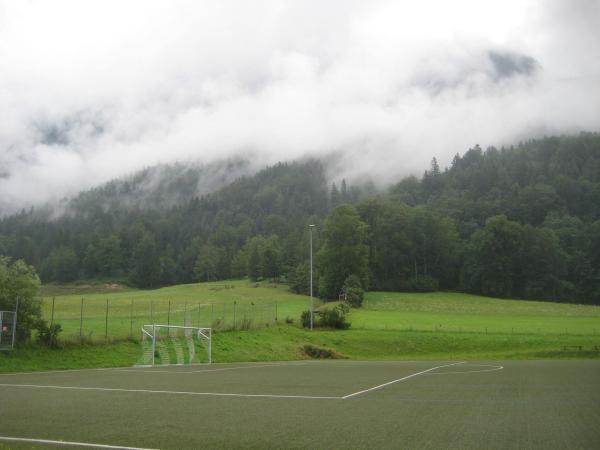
92 90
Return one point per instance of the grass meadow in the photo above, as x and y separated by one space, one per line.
389 326
457 312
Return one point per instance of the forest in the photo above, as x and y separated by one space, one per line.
519 222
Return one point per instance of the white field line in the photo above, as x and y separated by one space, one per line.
175 372
67 443
122 369
354 394
57 371
151 391
493 369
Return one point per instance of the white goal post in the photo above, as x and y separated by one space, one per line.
175 345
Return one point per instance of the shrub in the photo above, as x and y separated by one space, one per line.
312 351
327 318
19 283
305 319
353 291
334 318
48 335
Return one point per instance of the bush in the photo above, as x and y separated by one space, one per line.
19 283
327 318
353 291
305 319
48 335
312 351
334 318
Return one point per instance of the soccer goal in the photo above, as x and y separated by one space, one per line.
8 329
175 345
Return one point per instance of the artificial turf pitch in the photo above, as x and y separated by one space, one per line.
310 404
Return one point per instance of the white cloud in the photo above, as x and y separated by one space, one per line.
93 90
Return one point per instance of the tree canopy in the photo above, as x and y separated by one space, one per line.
520 221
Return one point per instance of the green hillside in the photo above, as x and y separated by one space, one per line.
117 314
256 305
446 311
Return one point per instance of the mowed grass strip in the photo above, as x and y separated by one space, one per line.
457 312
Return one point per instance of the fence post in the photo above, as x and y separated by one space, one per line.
81 322
14 324
234 308
151 312
275 310
106 323
131 320
52 313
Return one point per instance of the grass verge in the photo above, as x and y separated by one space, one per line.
27 359
284 343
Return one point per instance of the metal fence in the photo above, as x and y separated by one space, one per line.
93 320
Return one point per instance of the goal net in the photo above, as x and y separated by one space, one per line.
175 345
8 328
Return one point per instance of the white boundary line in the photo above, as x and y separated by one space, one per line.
175 372
494 368
224 394
354 394
151 391
140 368
35 372
68 443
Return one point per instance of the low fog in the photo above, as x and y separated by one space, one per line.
94 90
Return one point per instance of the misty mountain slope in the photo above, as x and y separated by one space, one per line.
422 234
159 187
276 200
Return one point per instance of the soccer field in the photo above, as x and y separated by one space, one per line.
309 404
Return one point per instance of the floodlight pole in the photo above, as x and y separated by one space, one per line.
310 227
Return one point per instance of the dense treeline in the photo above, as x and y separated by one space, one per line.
513 222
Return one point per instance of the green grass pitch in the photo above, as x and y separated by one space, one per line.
311 404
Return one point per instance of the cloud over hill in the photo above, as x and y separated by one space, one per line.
94 90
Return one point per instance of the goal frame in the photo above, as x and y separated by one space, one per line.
149 331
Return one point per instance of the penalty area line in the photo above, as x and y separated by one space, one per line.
493 369
151 391
67 443
152 369
364 391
